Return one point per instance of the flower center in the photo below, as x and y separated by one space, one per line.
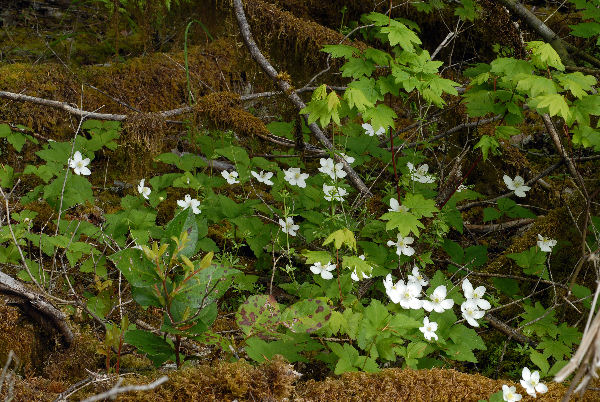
297 176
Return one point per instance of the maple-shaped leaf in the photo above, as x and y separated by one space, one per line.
318 110
400 34
388 85
378 57
488 144
368 87
480 103
467 11
356 68
585 29
535 85
587 137
333 101
583 108
505 132
380 116
356 98
509 66
555 104
419 205
340 50
405 222
341 237
543 55
576 82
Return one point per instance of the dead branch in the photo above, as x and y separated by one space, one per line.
292 95
30 300
510 331
118 389
517 223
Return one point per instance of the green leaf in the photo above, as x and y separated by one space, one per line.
184 221
585 29
586 137
555 349
357 67
533 261
541 361
420 206
405 222
137 269
467 11
350 360
340 51
155 347
356 98
488 144
341 237
577 83
535 85
400 34
235 155
380 116
307 316
77 190
539 320
490 214
258 314
544 55
260 350
324 257
6 176
513 210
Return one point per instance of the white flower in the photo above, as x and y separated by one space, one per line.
428 329
409 294
420 174
438 302
545 243
79 165
263 177
417 277
144 191
348 158
334 170
396 207
288 226
517 185
471 313
295 178
510 394
187 202
371 132
325 271
402 245
230 177
334 193
461 188
475 295
531 382
391 289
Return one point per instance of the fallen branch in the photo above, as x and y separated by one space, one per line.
517 223
292 95
510 331
118 389
29 300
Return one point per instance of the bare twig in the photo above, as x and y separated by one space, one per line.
118 389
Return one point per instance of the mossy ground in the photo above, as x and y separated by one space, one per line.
151 81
